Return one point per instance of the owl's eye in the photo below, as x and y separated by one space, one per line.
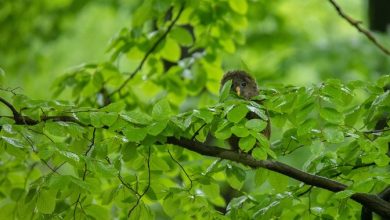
243 84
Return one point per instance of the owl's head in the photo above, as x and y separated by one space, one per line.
242 83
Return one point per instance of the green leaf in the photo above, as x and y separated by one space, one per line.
46 201
239 6
270 152
159 164
109 118
224 92
171 50
212 192
382 160
223 133
103 169
256 124
261 176
75 130
97 211
263 140
237 113
343 194
181 35
306 127
333 134
134 134
204 114
70 157
17 193
157 127
14 142
95 119
58 182
261 113
278 181
235 176
331 115
161 110
247 143
56 128
259 153
114 107
136 117
240 131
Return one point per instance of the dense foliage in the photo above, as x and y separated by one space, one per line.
143 134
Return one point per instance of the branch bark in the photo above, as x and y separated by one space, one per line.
370 201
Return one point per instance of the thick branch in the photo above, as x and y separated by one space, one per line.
371 201
356 24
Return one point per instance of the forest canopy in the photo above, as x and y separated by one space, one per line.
116 110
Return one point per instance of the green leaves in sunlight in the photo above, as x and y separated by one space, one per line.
256 124
146 132
237 113
239 6
171 50
247 143
161 110
46 201
332 115
225 90
115 150
333 134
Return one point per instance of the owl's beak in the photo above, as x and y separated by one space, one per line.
238 90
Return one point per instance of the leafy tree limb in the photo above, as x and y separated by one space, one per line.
371 201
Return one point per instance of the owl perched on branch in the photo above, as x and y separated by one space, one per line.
246 87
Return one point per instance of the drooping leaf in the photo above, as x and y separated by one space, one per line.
331 115
46 201
256 124
240 131
237 113
224 92
333 134
161 110
134 134
239 6
247 143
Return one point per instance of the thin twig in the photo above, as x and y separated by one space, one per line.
356 24
85 172
146 189
31 143
197 131
149 52
92 142
10 90
182 168
304 192
127 185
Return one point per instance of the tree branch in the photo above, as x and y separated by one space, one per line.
149 52
356 24
373 202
